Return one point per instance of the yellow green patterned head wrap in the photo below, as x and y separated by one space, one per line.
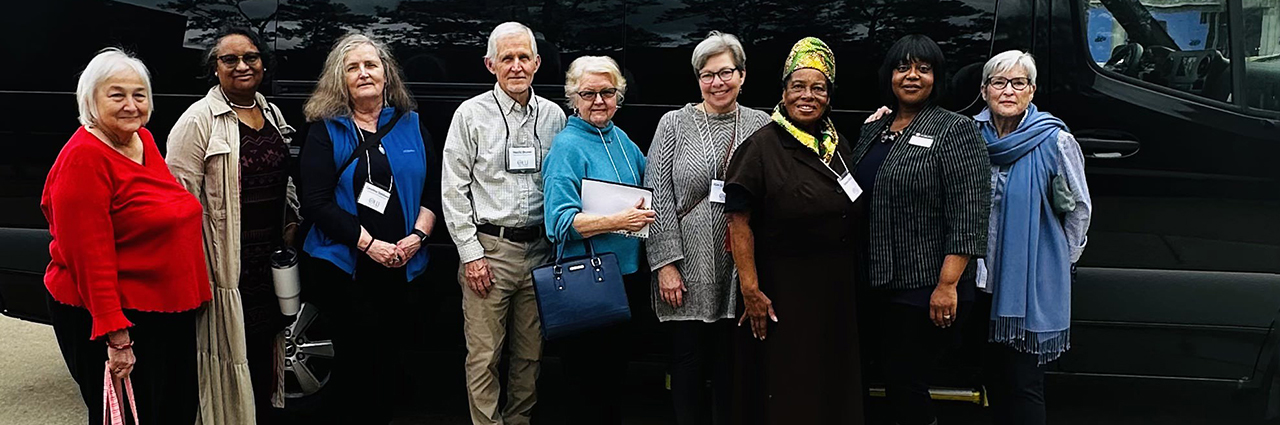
810 52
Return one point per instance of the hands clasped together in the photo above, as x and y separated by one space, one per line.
394 256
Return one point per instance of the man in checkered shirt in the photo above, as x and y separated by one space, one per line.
492 190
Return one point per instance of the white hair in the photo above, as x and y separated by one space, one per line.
1006 61
509 29
105 64
584 65
715 44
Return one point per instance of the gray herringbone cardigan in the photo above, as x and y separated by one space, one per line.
689 149
928 201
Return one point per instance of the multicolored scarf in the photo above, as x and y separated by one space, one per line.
811 52
830 139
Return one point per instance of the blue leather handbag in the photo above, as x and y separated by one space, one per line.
580 293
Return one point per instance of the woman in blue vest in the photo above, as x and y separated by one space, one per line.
367 187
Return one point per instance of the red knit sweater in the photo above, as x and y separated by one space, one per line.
125 235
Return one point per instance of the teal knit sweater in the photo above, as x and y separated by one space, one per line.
579 151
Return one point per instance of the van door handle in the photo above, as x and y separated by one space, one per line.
1107 144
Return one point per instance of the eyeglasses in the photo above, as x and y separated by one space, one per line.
590 96
724 74
817 90
1019 84
250 59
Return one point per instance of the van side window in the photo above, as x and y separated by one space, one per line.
1262 54
444 41
1184 48
661 35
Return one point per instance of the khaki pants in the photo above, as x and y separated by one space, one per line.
510 308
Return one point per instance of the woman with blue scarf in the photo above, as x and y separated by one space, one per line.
1039 214
367 185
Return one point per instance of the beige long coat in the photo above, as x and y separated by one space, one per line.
204 154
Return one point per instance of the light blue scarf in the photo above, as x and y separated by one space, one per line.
1029 265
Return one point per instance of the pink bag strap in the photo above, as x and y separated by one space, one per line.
111 414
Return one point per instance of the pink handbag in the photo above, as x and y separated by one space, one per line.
111 414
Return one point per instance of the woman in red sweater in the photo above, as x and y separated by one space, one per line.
128 269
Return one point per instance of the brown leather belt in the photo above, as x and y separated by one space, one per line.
514 234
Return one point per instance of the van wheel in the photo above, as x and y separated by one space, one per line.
308 361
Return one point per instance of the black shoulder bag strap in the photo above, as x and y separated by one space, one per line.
371 141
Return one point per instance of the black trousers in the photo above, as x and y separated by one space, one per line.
701 350
595 364
369 315
164 377
1015 380
911 347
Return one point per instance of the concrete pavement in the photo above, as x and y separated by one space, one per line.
35 387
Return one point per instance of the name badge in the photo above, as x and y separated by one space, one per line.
717 191
523 159
921 140
850 186
374 197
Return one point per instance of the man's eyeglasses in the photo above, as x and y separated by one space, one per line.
1018 84
724 74
590 96
250 59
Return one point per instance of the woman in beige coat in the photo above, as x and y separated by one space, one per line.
230 149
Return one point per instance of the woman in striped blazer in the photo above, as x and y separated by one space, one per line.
925 172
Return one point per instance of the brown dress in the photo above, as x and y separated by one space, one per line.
808 370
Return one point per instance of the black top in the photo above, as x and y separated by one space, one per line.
263 189
319 180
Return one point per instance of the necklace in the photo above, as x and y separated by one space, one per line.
233 105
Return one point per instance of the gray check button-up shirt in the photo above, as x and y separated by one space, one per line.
475 185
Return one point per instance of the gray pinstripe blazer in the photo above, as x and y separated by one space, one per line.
928 202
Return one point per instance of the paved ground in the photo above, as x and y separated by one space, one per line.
35 387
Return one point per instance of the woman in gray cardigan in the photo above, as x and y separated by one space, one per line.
694 288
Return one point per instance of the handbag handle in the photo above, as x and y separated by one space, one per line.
591 251
558 271
111 414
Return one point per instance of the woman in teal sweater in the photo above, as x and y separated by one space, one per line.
590 146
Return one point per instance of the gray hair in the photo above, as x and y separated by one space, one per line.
584 65
331 99
1006 61
715 44
509 29
105 64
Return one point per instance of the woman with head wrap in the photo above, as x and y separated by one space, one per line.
789 186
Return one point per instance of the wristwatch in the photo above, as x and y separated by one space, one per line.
422 236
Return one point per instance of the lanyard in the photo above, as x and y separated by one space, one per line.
635 178
507 127
832 170
369 168
733 139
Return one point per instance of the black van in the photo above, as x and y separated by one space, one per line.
1175 103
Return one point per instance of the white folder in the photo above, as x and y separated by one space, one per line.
601 197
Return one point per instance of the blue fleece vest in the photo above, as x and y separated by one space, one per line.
404 148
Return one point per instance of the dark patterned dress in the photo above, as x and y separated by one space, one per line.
263 183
